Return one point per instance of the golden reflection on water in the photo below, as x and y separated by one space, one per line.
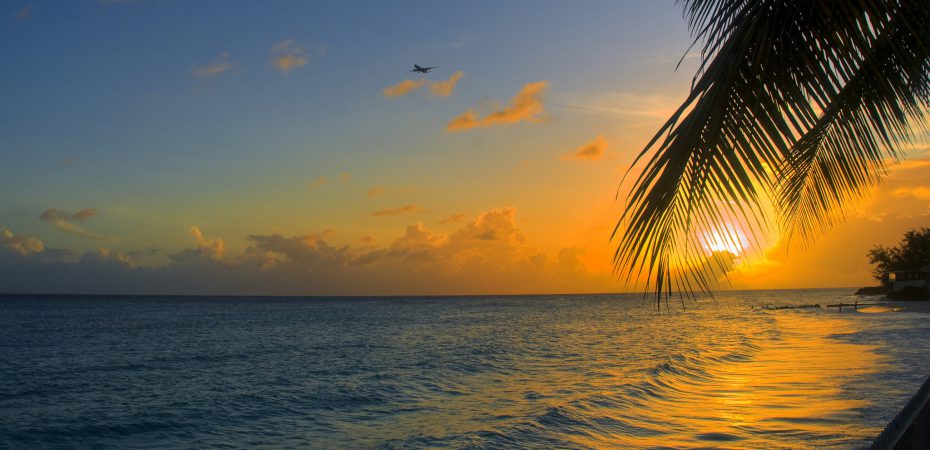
790 387
714 378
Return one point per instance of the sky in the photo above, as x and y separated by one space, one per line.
285 148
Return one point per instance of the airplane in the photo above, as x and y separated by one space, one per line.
417 68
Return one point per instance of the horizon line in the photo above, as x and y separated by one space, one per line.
352 296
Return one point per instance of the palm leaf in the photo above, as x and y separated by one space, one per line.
728 149
846 151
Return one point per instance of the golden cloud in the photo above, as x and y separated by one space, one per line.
287 56
211 248
526 106
445 88
403 88
488 254
436 88
287 63
219 65
467 120
592 150
494 225
23 245
407 209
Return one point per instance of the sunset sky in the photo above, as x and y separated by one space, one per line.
232 147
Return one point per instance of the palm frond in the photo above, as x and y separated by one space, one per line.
769 67
863 127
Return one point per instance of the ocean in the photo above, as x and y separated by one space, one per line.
546 371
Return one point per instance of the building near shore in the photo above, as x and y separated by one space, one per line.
910 283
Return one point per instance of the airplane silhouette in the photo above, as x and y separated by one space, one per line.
417 68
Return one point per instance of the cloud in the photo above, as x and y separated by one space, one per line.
418 241
445 88
592 150
436 88
375 191
76 230
455 218
465 121
22 245
219 65
206 251
526 106
905 192
407 209
403 88
345 176
289 55
310 249
83 214
64 221
104 255
495 225
53 214
488 254
491 245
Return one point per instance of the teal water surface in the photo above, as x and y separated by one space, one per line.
557 371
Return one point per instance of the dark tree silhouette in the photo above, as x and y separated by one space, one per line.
912 253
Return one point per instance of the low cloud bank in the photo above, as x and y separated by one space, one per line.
486 254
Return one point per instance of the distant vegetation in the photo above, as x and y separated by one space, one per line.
912 253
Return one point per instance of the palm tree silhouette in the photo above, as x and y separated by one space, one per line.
797 107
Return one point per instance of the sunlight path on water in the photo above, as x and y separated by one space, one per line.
791 387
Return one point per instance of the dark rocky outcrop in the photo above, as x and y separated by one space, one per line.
873 290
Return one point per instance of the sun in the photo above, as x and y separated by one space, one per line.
726 238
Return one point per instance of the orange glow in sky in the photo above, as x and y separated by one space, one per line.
311 160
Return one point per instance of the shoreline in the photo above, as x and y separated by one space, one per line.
917 307
922 307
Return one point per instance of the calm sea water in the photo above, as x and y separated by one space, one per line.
459 372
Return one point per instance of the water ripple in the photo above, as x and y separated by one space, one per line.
485 372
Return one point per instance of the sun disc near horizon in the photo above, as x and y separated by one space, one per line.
725 238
